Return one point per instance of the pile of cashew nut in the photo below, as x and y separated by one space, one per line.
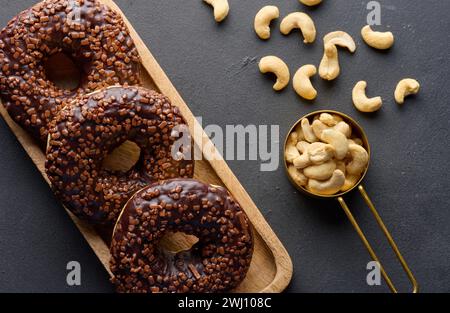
324 156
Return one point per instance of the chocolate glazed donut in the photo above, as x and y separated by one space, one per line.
92 35
219 260
90 128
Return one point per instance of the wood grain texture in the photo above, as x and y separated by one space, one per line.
271 267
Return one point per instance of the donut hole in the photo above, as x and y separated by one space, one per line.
61 70
123 158
175 242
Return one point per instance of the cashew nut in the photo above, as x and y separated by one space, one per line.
360 159
302 82
302 146
340 165
406 87
360 100
310 2
344 128
297 176
307 131
299 132
341 39
321 171
318 127
350 182
303 22
337 140
263 19
377 40
320 152
329 120
221 9
356 141
302 161
293 138
273 64
329 67
291 153
328 187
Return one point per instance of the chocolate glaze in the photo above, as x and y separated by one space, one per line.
99 43
218 262
91 127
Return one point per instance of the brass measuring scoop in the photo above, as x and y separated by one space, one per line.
357 129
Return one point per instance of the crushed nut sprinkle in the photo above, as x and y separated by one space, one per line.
211 265
85 132
45 29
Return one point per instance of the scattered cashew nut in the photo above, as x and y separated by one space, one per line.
341 39
321 171
310 2
302 82
263 19
337 140
377 40
221 9
360 100
297 176
308 131
360 159
303 22
320 152
273 64
328 187
406 87
329 67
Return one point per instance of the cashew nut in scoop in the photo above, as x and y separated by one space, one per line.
320 152
263 19
318 127
297 176
308 131
327 187
221 9
337 140
291 153
310 2
329 120
377 40
406 87
273 64
360 159
302 146
302 161
329 67
360 100
320 172
344 128
301 21
302 82
350 182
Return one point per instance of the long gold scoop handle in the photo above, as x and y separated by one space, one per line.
388 237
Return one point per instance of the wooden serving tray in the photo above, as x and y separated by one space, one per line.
271 267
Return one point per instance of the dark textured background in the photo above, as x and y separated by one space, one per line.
209 64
